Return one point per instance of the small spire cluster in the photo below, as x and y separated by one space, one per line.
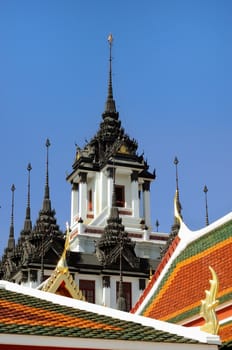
32 240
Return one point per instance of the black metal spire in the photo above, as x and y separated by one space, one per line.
110 135
27 222
110 103
206 206
157 225
121 301
11 240
46 201
114 215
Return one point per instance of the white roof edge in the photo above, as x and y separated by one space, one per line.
191 332
225 320
192 235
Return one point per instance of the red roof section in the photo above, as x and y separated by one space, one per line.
178 297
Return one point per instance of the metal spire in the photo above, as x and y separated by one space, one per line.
121 301
110 103
29 168
12 205
157 225
176 161
48 144
206 206
46 202
110 89
27 223
11 240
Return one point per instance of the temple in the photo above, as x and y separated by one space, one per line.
112 249
170 288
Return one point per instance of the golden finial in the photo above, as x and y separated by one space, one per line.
110 38
151 274
208 306
62 265
176 211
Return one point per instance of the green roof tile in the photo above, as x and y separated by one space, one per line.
27 315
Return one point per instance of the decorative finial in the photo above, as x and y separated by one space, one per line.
48 143
209 304
176 162
62 264
110 39
157 225
206 206
177 205
150 273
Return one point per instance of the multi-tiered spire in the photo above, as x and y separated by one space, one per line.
23 248
46 222
7 264
110 135
33 242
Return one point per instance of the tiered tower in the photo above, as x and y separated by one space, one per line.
111 151
112 249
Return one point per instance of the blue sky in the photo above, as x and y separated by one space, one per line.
172 82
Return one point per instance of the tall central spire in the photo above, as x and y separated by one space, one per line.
110 103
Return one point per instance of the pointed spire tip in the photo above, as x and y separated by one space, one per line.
48 143
110 39
29 167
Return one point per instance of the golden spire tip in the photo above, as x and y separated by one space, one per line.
110 39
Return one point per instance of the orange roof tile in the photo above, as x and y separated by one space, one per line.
178 296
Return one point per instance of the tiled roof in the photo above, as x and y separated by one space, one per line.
22 314
178 296
226 331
